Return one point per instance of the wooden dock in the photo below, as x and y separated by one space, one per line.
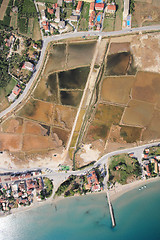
111 210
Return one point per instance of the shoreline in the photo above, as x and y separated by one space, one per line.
122 189
114 194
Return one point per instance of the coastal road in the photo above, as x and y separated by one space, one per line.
47 40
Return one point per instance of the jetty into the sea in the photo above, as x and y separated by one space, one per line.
111 210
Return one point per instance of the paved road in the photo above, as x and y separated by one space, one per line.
66 36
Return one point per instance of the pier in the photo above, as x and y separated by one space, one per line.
111 210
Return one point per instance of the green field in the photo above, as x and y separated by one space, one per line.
84 18
123 169
108 24
10 86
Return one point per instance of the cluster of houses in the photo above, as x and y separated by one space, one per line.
97 8
18 190
96 12
149 160
93 183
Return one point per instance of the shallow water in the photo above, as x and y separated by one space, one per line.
137 216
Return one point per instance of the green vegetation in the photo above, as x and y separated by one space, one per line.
84 17
5 77
48 188
123 168
63 187
25 14
7 18
154 151
132 6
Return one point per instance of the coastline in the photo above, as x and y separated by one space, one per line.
114 194
122 189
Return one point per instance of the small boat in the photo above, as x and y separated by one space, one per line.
145 186
139 189
142 187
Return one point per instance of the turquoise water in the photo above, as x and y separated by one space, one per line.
137 216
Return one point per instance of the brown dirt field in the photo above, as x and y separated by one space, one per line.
146 52
61 133
130 134
64 116
38 110
119 47
96 130
138 113
145 13
109 114
34 129
84 51
33 143
3 8
13 125
10 142
147 87
117 89
153 129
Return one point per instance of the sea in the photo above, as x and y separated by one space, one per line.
137 215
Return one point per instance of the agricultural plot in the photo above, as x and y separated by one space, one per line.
147 87
119 15
138 113
61 133
71 98
118 64
130 134
117 89
84 17
34 129
38 110
10 142
80 54
56 60
64 116
13 125
119 47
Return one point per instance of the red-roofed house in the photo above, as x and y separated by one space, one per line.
111 8
91 9
16 90
45 26
99 6
93 181
147 169
91 19
50 10
79 6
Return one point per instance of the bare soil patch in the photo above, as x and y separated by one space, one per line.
130 134
64 116
61 133
34 143
117 89
138 113
10 142
13 125
35 129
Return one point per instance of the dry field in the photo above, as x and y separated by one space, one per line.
119 47
3 100
38 110
138 113
3 8
146 52
34 129
146 13
35 143
147 87
13 125
61 133
64 116
117 89
10 142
